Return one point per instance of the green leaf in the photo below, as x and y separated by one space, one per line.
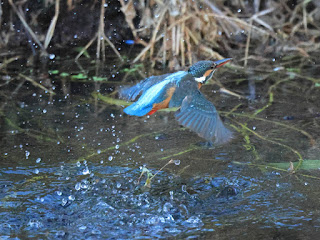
64 74
53 71
132 69
79 76
317 84
98 79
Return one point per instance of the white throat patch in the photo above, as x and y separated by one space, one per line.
204 78
200 79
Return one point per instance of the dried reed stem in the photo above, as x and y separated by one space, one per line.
86 47
26 26
101 31
155 31
101 38
129 13
164 46
256 16
35 83
246 54
0 13
182 41
177 40
188 46
52 25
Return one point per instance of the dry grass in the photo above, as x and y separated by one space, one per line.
179 32
182 31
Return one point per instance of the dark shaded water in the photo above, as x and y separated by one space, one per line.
70 165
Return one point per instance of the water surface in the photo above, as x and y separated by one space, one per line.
70 164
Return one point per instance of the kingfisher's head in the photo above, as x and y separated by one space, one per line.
202 71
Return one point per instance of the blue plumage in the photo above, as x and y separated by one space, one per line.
136 110
155 93
181 89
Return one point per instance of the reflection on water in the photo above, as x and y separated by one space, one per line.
70 169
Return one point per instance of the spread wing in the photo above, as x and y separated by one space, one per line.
153 90
153 95
130 93
199 114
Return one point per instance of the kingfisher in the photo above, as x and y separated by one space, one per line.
181 89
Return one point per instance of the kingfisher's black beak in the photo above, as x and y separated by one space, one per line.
222 62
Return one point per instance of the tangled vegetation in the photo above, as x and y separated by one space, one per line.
173 32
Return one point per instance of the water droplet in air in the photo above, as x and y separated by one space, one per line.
77 186
171 194
71 197
27 154
85 171
64 201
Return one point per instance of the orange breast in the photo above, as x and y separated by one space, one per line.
164 103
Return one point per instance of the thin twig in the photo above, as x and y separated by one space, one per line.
274 142
285 125
36 84
85 48
170 162
256 16
6 62
247 45
52 25
154 35
26 26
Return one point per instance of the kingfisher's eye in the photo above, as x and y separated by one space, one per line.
213 66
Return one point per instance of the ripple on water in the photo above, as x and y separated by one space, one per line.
74 205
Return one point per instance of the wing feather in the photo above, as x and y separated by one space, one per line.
131 93
198 125
199 114
185 119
